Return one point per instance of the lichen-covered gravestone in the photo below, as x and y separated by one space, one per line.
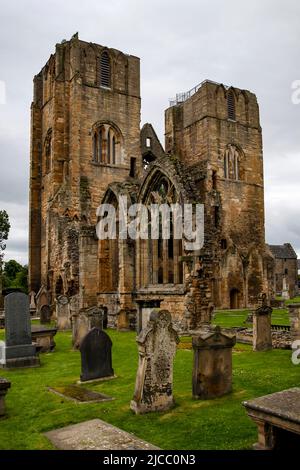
96 360
262 333
19 350
63 317
157 348
83 322
212 371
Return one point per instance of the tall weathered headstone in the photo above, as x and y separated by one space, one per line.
262 333
294 315
285 289
32 305
19 350
41 298
96 362
157 348
63 318
45 316
212 371
83 322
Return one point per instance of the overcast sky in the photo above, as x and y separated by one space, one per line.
252 45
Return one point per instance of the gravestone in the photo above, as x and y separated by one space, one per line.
285 289
262 333
32 305
144 312
45 316
277 416
41 299
294 315
157 348
84 322
95 352
63 318
2 354
4 386
19 350
212 371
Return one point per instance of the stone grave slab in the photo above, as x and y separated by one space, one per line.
277 417
96 435
43 337
79 395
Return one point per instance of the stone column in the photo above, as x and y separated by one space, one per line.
212 371
262 334
294 314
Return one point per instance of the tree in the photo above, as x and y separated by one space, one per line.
4 231
11 268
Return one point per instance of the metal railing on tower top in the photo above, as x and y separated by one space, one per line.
181 97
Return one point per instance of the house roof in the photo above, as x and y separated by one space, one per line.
283 251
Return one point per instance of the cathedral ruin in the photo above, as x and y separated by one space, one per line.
88 148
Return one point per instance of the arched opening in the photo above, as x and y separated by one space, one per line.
59 288
160 255
234 299
106 144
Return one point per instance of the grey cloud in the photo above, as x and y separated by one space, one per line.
252 45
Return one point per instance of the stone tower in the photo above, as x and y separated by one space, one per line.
218 127
85 134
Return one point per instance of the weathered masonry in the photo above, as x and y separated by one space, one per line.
87 148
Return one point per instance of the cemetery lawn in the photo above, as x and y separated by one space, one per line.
192 424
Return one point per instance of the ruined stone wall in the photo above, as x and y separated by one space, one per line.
66 185
199 130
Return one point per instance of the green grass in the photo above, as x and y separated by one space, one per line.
214 424
236 318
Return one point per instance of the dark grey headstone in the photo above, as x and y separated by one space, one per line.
96 355
45 316
17 319
19 350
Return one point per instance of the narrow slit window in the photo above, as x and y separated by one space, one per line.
231 106
105 70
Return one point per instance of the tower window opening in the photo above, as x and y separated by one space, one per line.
148 142
132 167
231 106
105 70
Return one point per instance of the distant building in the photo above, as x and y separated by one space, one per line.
286 269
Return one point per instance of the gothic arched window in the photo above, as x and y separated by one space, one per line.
106 145
105 70
160 257
232 161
